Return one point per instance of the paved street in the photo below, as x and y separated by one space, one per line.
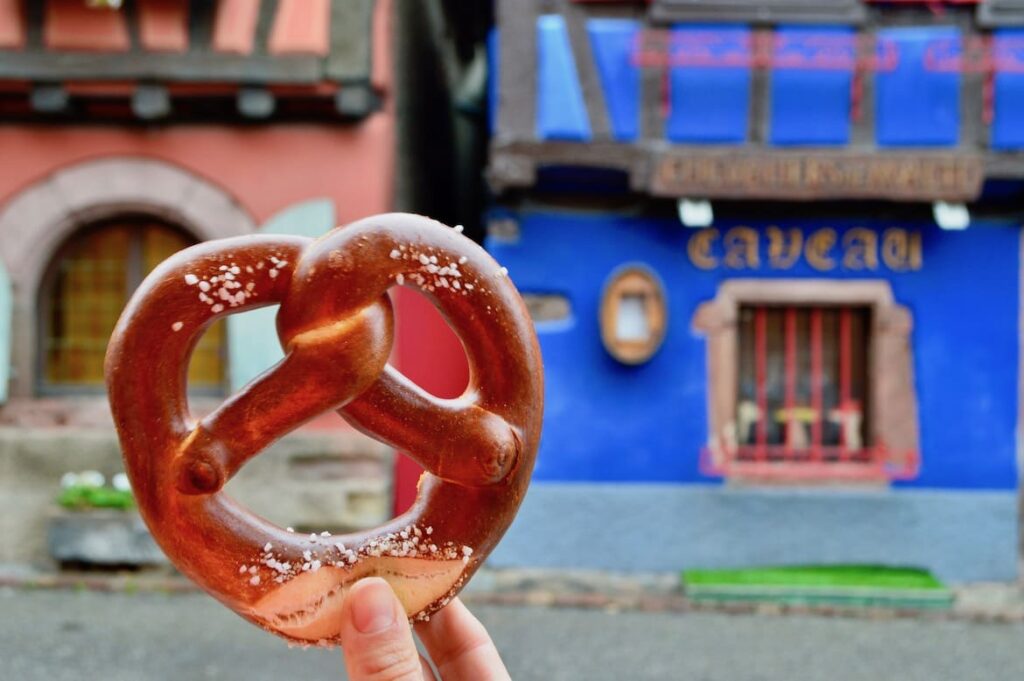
58 635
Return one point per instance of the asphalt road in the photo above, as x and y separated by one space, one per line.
64 635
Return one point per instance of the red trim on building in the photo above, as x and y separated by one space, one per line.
234 27
107 89
431 355
817 383
876 466
163 25
71 25
12 25
301 27
845 373
380 67
761 378
791 359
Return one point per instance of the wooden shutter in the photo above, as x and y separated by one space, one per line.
252 337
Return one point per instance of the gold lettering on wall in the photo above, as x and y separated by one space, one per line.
784 247
901 251
699 249
916 254
741 249
819 245
860 249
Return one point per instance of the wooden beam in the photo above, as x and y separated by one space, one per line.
517 68
758 11
163 25
301 27
196 67
351 27
758 172
71 25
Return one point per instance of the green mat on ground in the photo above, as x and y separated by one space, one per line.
825 585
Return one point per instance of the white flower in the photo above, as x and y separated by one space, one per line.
92 479
68 480
120 482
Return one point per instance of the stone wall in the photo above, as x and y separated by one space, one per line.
312 480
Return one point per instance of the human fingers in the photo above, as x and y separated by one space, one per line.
376 636
428 671
460 647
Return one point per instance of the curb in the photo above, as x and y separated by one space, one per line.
986 603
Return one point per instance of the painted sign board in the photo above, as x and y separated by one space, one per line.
743 174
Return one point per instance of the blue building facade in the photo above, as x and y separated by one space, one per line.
815 372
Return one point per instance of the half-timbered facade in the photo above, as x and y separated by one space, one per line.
129 130
773 253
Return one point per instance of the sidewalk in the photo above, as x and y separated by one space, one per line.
644 592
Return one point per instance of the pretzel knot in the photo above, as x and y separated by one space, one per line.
336 326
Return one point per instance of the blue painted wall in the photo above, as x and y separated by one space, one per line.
792 121
1008 124
916 105
606 422
709 104
561 111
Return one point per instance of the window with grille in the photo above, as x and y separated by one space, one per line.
803 386
88 285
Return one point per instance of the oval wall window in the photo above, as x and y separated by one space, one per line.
633 315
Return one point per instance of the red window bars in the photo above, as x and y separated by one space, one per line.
802 396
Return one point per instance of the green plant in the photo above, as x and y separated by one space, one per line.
81 497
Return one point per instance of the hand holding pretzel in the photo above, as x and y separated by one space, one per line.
336 326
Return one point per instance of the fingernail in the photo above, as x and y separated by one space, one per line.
373 606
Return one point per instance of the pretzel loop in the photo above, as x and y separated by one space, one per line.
481 444
338 367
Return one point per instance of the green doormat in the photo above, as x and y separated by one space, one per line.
858 586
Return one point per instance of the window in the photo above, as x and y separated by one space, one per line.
803 385
809 380
633 315
88 285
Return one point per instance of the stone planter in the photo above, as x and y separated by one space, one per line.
102 538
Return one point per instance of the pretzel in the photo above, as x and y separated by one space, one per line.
336 326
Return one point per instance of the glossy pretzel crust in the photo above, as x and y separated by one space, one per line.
336 326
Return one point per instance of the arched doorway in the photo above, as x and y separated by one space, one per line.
88 283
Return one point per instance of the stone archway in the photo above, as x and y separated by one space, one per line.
37 220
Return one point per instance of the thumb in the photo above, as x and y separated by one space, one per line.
375 635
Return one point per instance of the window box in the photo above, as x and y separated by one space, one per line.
102 538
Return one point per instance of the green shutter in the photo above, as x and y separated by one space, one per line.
252 336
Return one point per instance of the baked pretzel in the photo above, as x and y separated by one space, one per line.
336 326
